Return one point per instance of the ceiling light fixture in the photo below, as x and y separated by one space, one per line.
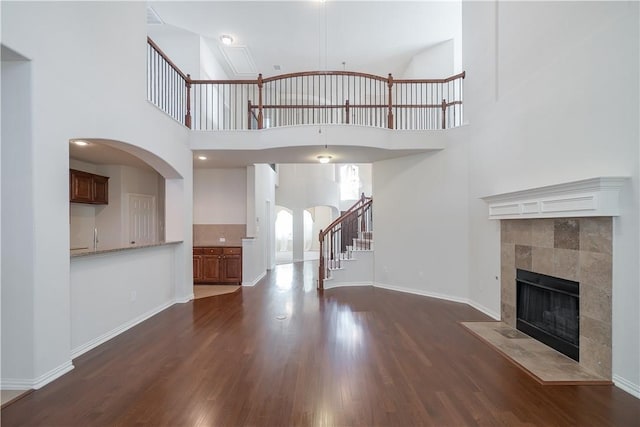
226 39
81 143
202 157
324 159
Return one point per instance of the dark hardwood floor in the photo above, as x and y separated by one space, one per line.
349 357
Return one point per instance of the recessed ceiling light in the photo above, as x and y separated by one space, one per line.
202 157
324 159
81 143
226 39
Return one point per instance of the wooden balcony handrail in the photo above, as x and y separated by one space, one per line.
169 61
326 73
308 97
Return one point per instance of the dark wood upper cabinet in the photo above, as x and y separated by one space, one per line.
85 187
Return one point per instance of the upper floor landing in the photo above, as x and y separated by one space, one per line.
310 108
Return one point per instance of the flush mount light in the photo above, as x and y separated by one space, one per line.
81 143
324 159
226 39
202 157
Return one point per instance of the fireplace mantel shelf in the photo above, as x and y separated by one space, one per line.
588 197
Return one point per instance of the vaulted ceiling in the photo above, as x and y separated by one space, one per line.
377 37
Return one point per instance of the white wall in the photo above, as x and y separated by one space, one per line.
210 68
80 36
420 223
307 185
435 62
17 223
183 47
365 172
119 289
220 196
259 254
322 217
552 96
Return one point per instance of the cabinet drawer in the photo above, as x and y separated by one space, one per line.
198 251
232 251
213 251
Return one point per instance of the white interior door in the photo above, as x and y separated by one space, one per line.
142 219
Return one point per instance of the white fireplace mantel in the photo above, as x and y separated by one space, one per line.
588 197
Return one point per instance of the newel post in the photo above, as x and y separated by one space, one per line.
444 114
260 117
187 117
390 115
321 262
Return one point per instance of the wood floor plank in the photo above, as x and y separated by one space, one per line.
280 354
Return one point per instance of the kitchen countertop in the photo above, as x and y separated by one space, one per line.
210 244
88 252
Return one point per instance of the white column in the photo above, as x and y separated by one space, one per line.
298 234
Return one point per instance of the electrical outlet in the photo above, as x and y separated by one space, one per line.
134 295
222 239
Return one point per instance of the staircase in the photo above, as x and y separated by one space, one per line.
346 247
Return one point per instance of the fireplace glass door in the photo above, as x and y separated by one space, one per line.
548 309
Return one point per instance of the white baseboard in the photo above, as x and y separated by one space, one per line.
626 385
41 381
329 284
117 331
484 309
185 299
445 297
255 282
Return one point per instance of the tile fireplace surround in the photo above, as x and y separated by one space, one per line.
578 249
564 230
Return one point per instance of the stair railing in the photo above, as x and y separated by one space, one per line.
304 98
350 231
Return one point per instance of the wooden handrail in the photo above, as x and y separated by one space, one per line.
461 75
328 73
338 236
341 106
324 73
169 61
301 98
357 205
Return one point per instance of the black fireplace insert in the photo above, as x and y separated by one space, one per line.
548 309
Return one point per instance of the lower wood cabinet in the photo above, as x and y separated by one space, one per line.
217 265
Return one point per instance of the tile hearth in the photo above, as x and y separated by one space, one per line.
543 363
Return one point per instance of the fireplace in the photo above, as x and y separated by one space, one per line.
574 249
548 309
564 230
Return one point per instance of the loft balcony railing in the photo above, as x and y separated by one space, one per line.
306 98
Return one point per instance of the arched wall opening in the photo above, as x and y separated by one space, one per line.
300 227
143 192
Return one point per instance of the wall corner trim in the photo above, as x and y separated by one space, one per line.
626 385
39 382
256 280
329 284
451 298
